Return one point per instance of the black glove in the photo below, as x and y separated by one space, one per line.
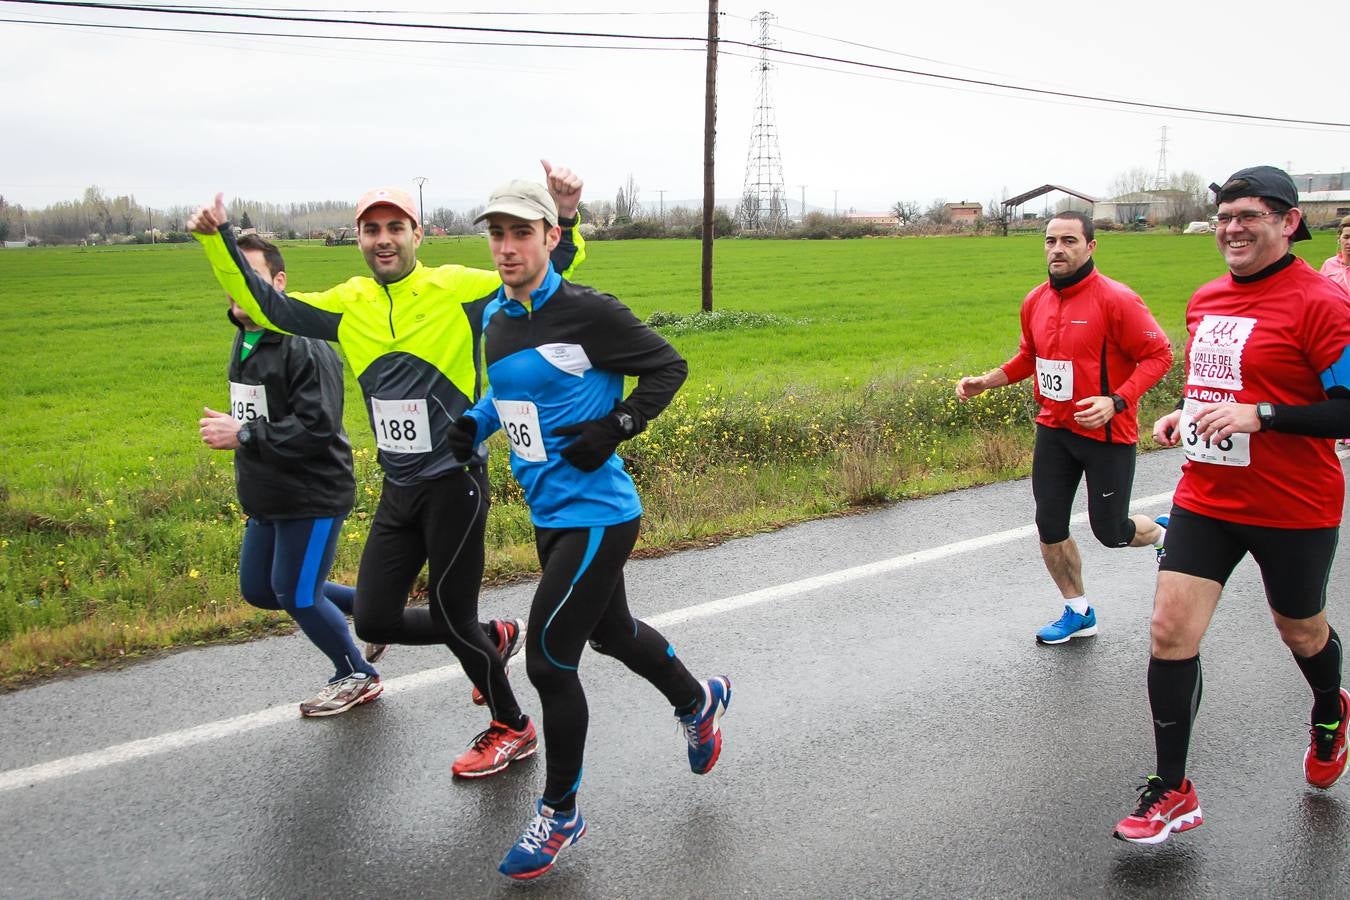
461 436
597 438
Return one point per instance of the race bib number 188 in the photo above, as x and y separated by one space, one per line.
401 425
1234 450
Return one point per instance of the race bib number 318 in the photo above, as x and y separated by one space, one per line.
401 425
1234 450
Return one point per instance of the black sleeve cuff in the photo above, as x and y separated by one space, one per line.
569 222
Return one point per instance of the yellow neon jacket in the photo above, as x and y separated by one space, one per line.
415 339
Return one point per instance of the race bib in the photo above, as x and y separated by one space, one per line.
401 425
520 421
1054 378
1234 450
248 401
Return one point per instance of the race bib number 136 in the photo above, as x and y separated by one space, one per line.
520 421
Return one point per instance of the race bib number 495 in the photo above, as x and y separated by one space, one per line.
1234 450
1054 378
248 401
401 425
520 421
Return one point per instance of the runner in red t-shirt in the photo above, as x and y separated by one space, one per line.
1267 388
1095 349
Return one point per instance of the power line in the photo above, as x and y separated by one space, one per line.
1069 95
342 37
311 20
416 12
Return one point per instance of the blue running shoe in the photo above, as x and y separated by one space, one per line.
1162 520
547 835
1068 626
702 728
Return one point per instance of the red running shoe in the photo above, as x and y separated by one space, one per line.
494 749
510 633
1161 812
1325 760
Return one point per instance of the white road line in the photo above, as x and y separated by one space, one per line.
199 734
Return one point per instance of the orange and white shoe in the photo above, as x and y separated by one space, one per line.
495 748
510 641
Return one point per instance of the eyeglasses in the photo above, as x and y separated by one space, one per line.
1246 217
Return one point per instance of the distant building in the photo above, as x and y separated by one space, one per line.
1152 206
1322 181
964 213
1324 207
883 219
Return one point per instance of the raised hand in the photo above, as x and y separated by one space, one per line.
565 186
208 219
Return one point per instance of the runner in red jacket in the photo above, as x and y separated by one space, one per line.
1094 349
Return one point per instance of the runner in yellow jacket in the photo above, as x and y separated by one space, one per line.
410 332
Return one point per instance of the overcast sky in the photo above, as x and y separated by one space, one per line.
171 118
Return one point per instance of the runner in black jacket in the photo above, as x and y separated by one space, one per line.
293 472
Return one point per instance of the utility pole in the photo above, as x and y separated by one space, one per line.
150 214
803 187
836 203
662 214
421 213
709 139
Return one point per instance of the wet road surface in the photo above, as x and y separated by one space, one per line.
894 731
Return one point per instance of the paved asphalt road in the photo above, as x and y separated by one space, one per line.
894 731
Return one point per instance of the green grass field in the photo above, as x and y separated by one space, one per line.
118 529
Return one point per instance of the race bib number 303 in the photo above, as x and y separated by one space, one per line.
401 425
248 401
1234 450
520 421
1054 378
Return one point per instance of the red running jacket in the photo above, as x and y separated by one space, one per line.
1101 332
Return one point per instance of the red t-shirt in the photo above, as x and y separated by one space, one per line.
1266 340
1093 339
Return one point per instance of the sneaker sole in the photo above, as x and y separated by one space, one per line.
1176 826
1082 632
374 656
524 754
525 876
717 728
365 698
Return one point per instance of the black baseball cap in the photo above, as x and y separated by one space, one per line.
1266 182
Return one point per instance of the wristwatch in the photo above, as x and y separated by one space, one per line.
245 435
1120 403
1266 413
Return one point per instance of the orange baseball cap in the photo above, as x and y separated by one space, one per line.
387 196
